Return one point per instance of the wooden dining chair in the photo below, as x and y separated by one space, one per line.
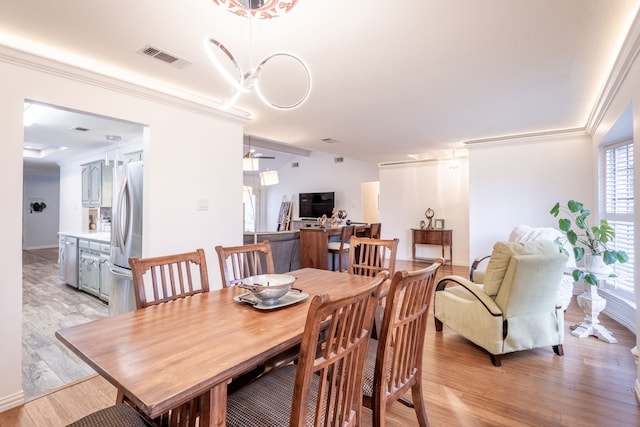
341 247
119 415
169 277
325 387
394 360
236 264
375 229
239 262
368 257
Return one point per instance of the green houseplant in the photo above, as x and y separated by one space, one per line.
586 240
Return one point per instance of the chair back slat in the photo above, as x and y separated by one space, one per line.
168 277
345 325
368 257
240 262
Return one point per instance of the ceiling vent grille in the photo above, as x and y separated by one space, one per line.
339 159
295 164
163 55
80 129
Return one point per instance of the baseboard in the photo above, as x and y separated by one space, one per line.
619 310
33 248
11 401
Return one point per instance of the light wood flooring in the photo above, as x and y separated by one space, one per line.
48 304
591 385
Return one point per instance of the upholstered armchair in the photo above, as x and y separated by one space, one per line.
515 308
526 233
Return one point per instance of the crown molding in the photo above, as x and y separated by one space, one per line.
133 85
621 66
572 132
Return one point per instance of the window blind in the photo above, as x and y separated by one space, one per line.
619 209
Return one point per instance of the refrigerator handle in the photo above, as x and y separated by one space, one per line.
124 216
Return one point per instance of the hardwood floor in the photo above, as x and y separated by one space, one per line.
49 304
591 385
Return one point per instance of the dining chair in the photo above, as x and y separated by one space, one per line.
368 257
325 387
119 415
239 262
375 228
341 247
236 264
394 360
169 277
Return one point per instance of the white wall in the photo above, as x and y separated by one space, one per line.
319 173
627 94
192 153
408 190
40 229
518 182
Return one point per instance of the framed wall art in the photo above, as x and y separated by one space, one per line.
438 224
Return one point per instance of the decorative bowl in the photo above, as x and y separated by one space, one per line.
268 287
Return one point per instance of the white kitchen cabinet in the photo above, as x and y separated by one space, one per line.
97 184
89 273
94 268
105 279
135 156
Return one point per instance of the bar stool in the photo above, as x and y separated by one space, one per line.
342 247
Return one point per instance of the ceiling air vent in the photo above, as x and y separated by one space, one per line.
338 159
80 129
163 56
295 164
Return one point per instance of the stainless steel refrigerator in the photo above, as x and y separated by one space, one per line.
126 234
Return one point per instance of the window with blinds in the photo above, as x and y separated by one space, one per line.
619 209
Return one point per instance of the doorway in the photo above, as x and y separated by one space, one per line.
59 137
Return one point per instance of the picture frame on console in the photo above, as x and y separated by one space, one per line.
438 224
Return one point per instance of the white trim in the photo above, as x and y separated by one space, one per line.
11 401
538 135
147 90
619 310
628 52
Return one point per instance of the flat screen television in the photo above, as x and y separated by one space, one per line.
314 205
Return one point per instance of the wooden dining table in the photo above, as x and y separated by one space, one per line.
163 356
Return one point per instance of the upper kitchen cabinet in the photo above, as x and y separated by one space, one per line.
97 184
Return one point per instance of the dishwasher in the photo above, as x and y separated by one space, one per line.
68 260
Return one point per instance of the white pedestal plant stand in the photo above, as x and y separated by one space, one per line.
592 304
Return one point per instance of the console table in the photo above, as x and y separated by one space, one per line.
432 237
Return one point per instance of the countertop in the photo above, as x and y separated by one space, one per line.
100 236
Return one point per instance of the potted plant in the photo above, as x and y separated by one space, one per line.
587 241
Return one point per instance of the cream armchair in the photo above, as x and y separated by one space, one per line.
526 233
515 309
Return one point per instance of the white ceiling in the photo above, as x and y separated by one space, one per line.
390 78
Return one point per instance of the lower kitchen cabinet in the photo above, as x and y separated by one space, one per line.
93 268
105 275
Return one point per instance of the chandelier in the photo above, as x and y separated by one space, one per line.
246 81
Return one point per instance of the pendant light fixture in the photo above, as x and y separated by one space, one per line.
244 81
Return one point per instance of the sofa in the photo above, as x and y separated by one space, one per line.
285 248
